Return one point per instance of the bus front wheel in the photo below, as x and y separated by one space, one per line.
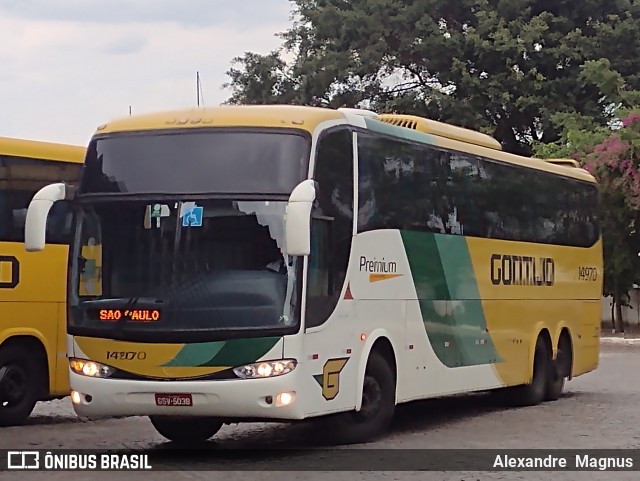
19 386
378 405
186 429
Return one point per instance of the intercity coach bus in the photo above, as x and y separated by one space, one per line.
33 364
283 263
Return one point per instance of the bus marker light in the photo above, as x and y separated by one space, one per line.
363 337
348 351
315 356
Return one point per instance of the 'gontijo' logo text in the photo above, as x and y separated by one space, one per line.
522 270
379 269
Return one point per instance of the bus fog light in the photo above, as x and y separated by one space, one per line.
76 398
285 398
265 369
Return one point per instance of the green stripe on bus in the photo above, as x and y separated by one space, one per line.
195 354
449 298
476 345
426 266
233 352
237 352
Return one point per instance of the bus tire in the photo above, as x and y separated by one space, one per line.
378 406
535 392
560 368
186 429
20 384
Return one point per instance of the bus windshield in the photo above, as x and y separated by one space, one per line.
209 161
181 269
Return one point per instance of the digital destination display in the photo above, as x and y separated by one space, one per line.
139 315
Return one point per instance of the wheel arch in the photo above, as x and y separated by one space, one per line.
542 332
32 342
565 334
378 341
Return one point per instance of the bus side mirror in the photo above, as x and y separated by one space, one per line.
35 227
298 219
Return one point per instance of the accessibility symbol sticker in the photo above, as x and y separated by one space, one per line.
192 217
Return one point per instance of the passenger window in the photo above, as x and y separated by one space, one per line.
21 178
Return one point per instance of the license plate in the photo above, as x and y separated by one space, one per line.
174 399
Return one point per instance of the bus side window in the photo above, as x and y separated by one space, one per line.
332 226
21 178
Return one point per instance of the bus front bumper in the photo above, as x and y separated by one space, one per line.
232 399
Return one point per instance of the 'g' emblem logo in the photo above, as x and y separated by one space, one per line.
330 378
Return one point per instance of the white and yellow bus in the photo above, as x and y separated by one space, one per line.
33 341
281 263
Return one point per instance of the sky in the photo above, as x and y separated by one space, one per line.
67 66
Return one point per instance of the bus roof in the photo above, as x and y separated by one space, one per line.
441 129
309 118
42 150
286 116
565 162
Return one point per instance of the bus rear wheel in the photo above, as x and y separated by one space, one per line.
19 385
377 409
560 369
535 392
186 429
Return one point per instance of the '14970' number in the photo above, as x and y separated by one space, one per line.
587 273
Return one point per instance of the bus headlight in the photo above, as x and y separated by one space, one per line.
265 369
90 368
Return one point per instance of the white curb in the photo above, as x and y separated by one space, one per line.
620 341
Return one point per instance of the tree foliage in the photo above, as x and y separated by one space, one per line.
612 154
505 67
615 162
549 77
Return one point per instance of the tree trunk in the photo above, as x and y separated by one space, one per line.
613 315
618 322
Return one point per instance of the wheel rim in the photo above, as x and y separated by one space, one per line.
371 399
13 385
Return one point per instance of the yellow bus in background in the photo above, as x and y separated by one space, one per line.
33 364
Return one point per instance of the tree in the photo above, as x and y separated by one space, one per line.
505 67
611 154
615 162
551 77
262 79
